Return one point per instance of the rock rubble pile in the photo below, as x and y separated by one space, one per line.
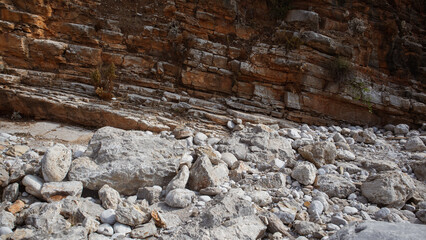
258 182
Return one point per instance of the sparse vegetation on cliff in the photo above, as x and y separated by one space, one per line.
103 81
340 69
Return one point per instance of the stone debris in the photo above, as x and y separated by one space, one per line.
258 182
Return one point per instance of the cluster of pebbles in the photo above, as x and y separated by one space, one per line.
257 182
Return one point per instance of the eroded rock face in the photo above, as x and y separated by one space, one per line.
319 153
116 158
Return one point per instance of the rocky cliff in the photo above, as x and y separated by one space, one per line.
359 61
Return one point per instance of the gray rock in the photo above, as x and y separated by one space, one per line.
365 136
200 138
248 227
421 214
273 180
230 205
382 213
109 197
380 231
78 209
5 230
75 232
203 174
46 217
415 144
287 215
182 132
180 180
345 155
132 214
337 137
319 153
419 169
332 227
306 228
180 198
230 160
151 194
56 163
316 208
105 229
305 173
350 210
401 129
90 224
121 162
33 185
108 216
4 176
11 192
338 220
276 225
261 198
388 188
335 185
51 189
7 219
144 231
311 19
121 228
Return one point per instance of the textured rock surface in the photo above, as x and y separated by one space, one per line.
183 46
56 163
389 188
319 153
381 231
117 159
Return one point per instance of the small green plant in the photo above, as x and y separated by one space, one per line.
103 81
360 90
280 8
340 69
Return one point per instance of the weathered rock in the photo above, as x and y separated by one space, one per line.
180 180
248 227
345 155
7 219
46 217
17 150
90 224
421 214
151 194
319 153
200 138
380 231
305 173
261 198
63 189
181 133
132 214
231 205
388 188
335 185
315 208
415 144
203 174
144 231
4 176
56 163
109 197
33 185
120 162
180 198
310 19
419 169
16 207
77 209
401 129
306 228
11 192
273 180
276 225
365 136
230 160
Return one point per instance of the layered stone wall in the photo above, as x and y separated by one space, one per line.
218 59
